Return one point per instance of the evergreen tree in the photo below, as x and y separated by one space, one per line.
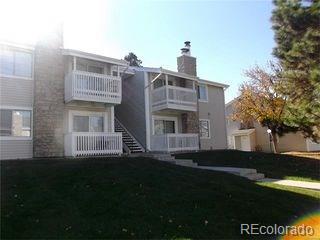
133 60
297 36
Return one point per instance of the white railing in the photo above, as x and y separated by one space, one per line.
95 87
92 143
172 142
174 97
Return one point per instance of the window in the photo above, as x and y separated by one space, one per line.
204 128
15 123
87 124
164 126
89 68
16 63
203 93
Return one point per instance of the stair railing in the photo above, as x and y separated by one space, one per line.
125 145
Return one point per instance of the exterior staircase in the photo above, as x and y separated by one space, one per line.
130 144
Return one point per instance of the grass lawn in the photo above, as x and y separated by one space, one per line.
136 198
281 166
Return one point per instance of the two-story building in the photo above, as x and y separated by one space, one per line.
57 102
168 111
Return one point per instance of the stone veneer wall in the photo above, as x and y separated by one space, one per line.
190 120
48 97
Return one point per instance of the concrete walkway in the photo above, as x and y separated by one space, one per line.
292 183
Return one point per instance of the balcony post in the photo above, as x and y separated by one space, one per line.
74 63
167 89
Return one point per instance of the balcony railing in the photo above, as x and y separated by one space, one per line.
92 87
172 142
172 97
92 143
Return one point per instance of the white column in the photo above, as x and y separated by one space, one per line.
74 63
118 71
112 118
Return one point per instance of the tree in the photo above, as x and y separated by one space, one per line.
258 101
297 36
133 60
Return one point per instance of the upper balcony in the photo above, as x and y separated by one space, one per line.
173 93
93 87
92 78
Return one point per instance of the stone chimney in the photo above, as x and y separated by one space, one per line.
186 63
49 95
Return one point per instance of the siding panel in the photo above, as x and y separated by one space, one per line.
131 111
13 149
16 92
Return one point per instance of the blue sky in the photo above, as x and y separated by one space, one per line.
227 37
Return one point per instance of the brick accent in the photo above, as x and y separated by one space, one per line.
48 97
187 64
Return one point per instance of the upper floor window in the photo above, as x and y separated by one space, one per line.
15 63
203 93
15 123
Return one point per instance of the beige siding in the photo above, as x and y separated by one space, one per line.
214 110
16 92
13 149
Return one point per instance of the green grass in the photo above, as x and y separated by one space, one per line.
272 165
135 198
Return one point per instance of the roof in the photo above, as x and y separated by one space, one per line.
231 102
95 57
166 71
17 45
216 84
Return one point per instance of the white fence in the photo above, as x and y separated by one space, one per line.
87 86
174 97
175 142
92 143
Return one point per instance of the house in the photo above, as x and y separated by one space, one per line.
57 102
253 137
168 111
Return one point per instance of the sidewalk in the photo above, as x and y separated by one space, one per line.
292 183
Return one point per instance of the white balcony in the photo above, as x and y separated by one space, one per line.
93 87
174 98
173 142
92 143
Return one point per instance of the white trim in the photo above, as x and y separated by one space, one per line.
216 84
209 128
167 118
206 89
147 109
13 108
91 56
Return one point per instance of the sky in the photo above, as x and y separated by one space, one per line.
227 37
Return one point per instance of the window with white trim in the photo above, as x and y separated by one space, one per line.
204 128
203 93
16 63
163 126
15 123
87 123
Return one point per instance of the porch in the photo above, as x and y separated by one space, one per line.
92 143
173 142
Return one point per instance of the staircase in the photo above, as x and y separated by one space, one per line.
130 144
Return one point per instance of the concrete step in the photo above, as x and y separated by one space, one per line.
254 176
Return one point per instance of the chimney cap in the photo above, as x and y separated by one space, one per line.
187 43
